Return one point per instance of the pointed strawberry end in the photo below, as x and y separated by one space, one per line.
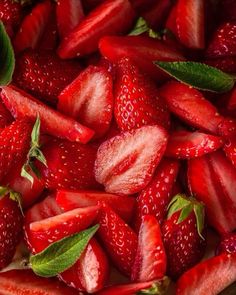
187 205
158 288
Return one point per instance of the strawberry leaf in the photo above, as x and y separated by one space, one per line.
7 61
62 254
158 288
199 75
141 27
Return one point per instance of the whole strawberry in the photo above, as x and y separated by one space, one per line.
227 244
184 234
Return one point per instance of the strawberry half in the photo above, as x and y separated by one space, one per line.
187 145
136 99
150 260
125 163
190 105
22 105
111 17
89 98
209 277
122 205
227 244
184 234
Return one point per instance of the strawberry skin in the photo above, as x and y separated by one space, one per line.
226 64
137 154
209 277
136 99
230 150
5 116
227 244
110 18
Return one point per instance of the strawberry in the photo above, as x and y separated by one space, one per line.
17 282
140 49
171 21
23 105
230 150
223 42
90 272
91 4
119 240
212 179
227 244
155 197
33 26
227 128
187 145
226 64
136 99
150 260
208 277
44 75
190 105
5 116
228 10
232 100
137 154
190 20
69 200
111 17
184 234
89 98
69 165
69 15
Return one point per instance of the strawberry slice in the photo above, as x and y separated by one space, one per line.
111 17
69 15
187 145
136 99
23 105
17 282
223 42
208 277
125 163
33 26
89 99
189 105
212 179
119 240
190 19
150 260
140 49
227 244
232 100
230 150
154 198
69 200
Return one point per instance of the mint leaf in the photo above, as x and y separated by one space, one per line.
62 254
198 75
141 27
7 58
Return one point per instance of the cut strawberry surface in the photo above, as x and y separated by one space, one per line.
111 17
89 99
150 260
125 163
187 145
122 205
209 277
191 106
23 105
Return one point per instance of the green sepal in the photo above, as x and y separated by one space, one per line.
141 27
158 288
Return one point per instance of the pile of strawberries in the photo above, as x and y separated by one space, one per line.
149 159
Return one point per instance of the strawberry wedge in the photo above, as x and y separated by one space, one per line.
111 17
23 105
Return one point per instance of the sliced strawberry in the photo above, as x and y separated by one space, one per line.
136 99
212 179
227 244
33 26
122 205
209 277
190 105
17 282
227 127
226 64
119 239
23 105
230 150
141 50
90 272
111 17
69 15
5 116
190 19
232 100
125 163
187 145
89 99
154 198
150 260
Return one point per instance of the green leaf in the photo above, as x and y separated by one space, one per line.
141 27
7 58
199 211
62 254
158 288
198 75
